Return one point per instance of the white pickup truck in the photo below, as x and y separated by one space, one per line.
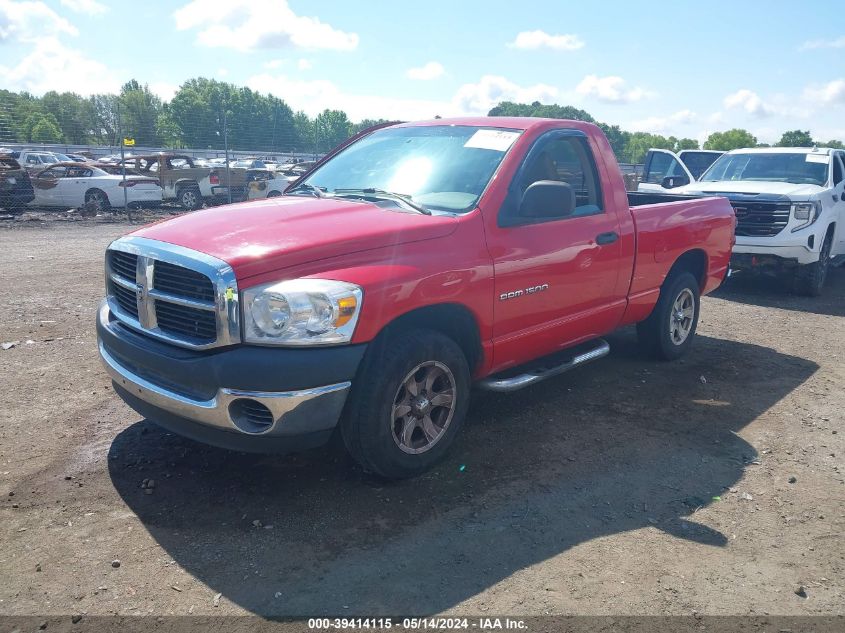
664 170
789 207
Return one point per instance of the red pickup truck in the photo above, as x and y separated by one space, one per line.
412 263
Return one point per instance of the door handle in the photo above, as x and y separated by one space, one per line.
607 238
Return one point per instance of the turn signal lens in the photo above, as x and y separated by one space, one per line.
347 308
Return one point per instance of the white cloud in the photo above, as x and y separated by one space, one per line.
275 63
31 21
313 96
610 89
716 117
480 97
812 44
89 7
829 93
749 101
53 66
532 40
164 90
304 64
259 24
431 70
656 124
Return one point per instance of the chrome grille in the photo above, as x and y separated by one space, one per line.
182 281
760 219
126 299
185 297
185 321
124 264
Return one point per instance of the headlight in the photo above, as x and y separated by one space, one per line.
806 213
301 312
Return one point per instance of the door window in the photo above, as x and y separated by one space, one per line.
565 159
662 165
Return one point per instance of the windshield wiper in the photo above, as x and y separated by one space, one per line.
386 195
305 186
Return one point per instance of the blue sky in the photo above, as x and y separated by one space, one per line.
686 69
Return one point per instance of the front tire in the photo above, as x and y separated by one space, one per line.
669 330
409 402
809 279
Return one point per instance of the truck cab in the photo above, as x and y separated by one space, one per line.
789 207
665 170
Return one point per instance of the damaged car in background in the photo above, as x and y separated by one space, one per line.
75 185
185 181
15 186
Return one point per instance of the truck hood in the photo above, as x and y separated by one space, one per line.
268 235
752 187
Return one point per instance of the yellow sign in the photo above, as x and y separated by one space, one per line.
129 141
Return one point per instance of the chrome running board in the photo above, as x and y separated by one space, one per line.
532 377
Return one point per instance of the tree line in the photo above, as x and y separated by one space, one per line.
205 113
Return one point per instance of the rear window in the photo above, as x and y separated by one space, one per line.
698 162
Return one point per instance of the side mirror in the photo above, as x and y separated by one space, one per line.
670 182
547 199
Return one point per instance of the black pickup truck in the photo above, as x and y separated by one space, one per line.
15 187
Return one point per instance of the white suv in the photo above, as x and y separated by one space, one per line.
789 207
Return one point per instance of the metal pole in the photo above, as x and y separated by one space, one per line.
226 149
122 164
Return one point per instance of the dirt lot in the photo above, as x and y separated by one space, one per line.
630 487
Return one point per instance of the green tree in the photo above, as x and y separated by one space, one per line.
834 144
795 138
686 143
640 142
43 128
167 132
303 128
139 110
75 115
617 138
331 128
537 109
732 139
104 107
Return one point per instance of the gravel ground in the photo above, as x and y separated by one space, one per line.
711 485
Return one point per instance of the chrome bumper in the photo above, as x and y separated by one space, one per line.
294 412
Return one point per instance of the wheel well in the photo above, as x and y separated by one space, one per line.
695 262
93 189
831 230
450 319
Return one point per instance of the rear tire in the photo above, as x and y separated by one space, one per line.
670 328
274 194
409 401
190 198
809 279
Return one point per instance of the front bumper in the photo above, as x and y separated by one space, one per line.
798 253
199 394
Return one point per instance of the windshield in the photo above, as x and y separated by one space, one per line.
800 169
443 167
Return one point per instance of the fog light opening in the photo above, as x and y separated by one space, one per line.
250 416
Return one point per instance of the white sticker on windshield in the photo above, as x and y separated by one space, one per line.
497 140
817 158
